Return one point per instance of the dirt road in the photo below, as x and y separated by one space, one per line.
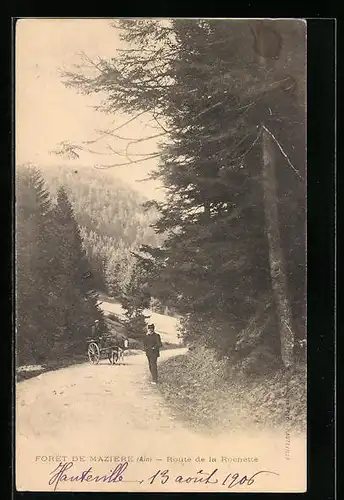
93 403
102 411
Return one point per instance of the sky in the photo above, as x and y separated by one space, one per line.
48 113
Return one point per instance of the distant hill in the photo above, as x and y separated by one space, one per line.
111 217
103 203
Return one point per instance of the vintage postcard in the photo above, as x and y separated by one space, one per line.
160 255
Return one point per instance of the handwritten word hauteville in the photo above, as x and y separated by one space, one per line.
228 480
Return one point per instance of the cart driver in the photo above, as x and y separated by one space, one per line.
95 328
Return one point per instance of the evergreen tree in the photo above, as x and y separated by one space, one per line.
135 299
35 246
73 277
112 276
204 84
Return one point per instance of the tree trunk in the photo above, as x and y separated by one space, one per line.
206 210
267 46
276 256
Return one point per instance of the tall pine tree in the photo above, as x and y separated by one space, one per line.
72 275
203 83
35 248
135 298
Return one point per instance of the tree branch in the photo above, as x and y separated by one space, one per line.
283 152
127 163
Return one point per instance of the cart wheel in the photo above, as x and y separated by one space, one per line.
93 353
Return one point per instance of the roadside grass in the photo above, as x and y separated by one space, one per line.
171 345
209 395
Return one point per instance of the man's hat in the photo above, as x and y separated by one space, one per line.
151 326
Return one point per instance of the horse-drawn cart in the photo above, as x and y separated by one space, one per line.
104 345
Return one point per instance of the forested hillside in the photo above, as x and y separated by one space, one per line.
112 221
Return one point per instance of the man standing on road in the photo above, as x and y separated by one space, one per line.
152 345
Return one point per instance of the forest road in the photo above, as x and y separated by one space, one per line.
91 406
103 411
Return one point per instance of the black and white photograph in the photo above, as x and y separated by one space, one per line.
160 255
